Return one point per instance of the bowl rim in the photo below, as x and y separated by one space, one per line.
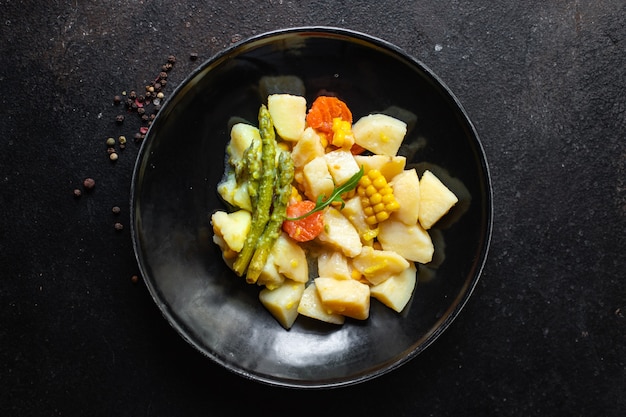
456 307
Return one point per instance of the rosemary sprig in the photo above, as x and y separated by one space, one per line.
335 196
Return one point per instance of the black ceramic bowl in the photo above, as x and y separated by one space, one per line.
174 192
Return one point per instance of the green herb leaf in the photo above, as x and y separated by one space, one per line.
335 197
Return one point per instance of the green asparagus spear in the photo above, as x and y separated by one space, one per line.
252 170
261 215
285 174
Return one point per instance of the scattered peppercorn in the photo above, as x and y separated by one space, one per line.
89 183
110 150
113 156
116 210
77 193
122 140
171 59
119 118
134 279
118 226
117 100
110 142
193 56
132 95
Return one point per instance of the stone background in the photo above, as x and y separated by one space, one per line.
544 333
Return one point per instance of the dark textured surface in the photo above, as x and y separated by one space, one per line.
545 332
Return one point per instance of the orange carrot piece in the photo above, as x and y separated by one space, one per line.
307 228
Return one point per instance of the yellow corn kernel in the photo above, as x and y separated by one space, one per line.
387 198
382 216
380 182
370 191
342 133
370 234
323 140
295 194
377 197
393 206
371 220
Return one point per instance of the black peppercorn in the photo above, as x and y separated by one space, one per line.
132 95
117 100
119 119
171 59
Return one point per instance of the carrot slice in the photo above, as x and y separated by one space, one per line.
323 110
307 228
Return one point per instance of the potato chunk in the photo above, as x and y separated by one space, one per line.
241 136
379 133
290 259
435 200
317 179
333 265
378 265
341 165
288 114
396 291
346 297
411 242
339 233
389 166
232 227
406 189
270 277
307 148
311 306
283 301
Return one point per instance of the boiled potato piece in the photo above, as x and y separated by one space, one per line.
307 148
339 233
396 291
311 306
317 179
341 165
344 296
353 211
333 264
241 136
283 301
378 265
232 227
290 259
288 114
232 193
406 189
389 166
435 200
379 133
270 277
411 242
